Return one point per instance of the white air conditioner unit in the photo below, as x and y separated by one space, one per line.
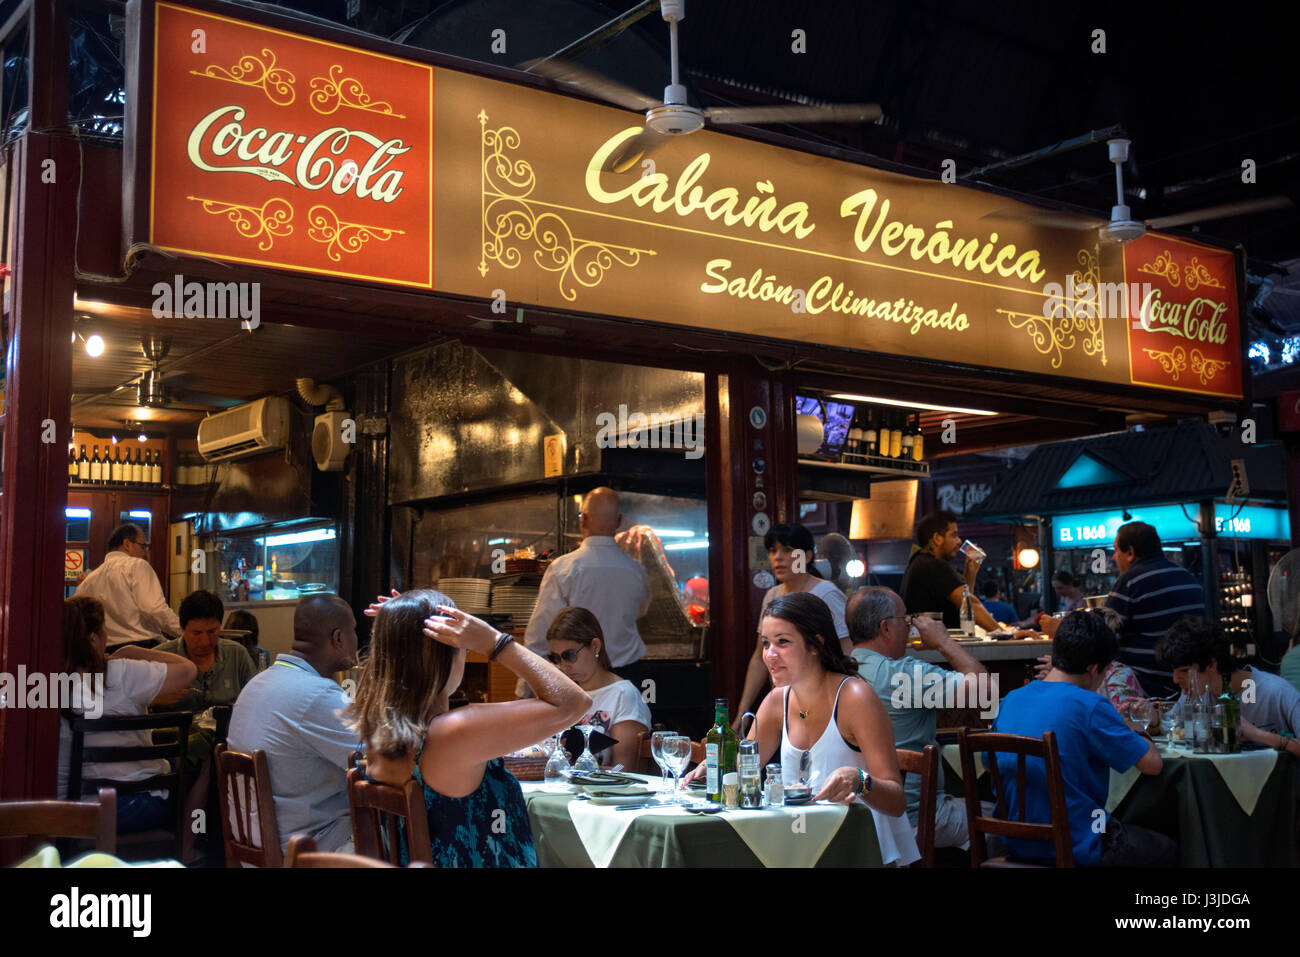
245 430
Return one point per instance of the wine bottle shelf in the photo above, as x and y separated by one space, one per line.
876 464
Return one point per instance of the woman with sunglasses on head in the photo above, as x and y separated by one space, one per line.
402 713
617 708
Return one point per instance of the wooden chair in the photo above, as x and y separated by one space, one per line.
926 764
379 814
1057 832
157 842
302 853
248 823
38 821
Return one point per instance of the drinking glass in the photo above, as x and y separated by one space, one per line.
657 752
586 762
1140 714
557 764
1168 719
677 752
970 550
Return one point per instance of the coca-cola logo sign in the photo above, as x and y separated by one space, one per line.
283 150
1183 333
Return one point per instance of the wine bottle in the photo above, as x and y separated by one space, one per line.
83 466
1231 717
137 469
96 468
853 443
896 435
918 439
720 749
871 434
906 438
155 476
72 463
115 466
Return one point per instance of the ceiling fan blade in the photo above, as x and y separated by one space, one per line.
638 146
1222 211
1043 218
592 83
833 113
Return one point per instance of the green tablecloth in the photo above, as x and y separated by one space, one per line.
656 840
1190 802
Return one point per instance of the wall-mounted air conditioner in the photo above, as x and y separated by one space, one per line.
245 430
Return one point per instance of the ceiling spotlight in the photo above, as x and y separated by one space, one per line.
141 437
95 345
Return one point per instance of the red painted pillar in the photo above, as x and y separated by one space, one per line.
35 426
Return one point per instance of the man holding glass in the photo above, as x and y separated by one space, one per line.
930 583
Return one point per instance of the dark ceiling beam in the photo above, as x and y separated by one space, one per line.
598 37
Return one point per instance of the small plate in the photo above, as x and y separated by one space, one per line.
603 779
620 797
709 808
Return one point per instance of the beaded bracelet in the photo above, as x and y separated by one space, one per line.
503 639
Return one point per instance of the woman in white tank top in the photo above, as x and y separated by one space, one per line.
819 707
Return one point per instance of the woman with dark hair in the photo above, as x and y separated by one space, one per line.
1066 586
240 620
121 686
617 708
791 551
820 709
401 712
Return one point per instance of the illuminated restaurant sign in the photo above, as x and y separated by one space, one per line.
274 148
1173 523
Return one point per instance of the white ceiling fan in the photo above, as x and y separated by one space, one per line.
1122 227
674 116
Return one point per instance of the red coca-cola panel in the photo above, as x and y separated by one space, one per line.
1184 328
273 148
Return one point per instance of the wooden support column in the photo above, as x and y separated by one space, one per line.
745 460
38 386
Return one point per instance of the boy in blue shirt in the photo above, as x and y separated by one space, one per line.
1091 739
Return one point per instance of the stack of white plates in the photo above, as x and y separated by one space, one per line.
517 601
471 595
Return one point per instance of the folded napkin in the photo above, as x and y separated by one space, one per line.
601 828
788 837
48 857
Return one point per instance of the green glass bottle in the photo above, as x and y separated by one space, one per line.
720 749
1231 718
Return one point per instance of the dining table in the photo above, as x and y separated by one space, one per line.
1224 810
571 831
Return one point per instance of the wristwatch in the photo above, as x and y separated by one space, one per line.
1286 737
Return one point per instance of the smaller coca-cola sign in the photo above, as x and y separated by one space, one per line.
1183 322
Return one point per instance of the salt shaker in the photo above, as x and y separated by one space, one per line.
775 791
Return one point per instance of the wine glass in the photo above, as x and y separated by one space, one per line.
586 762
657 752
557 765
1140 714
1168 719
677 753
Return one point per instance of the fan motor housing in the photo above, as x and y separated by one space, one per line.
327 445
674 120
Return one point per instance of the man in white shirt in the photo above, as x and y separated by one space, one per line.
602 578
135 609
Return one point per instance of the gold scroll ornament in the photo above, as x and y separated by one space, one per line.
329 93
259 73
1193 275
509 213
269 220
1074 323
1176 361
343 237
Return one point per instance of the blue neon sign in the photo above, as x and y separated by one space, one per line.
1173 523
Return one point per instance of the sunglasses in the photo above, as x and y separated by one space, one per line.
570 656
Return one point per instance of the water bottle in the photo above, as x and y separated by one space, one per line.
967 612
751 789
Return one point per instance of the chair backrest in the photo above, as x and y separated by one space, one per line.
926 764
172 750
1057 831
38 821
248 823
381 813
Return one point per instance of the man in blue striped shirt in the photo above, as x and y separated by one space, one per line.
1150 594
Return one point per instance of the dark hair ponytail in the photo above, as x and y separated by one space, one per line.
83 618
812 618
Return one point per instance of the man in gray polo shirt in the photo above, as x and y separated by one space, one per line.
290 711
